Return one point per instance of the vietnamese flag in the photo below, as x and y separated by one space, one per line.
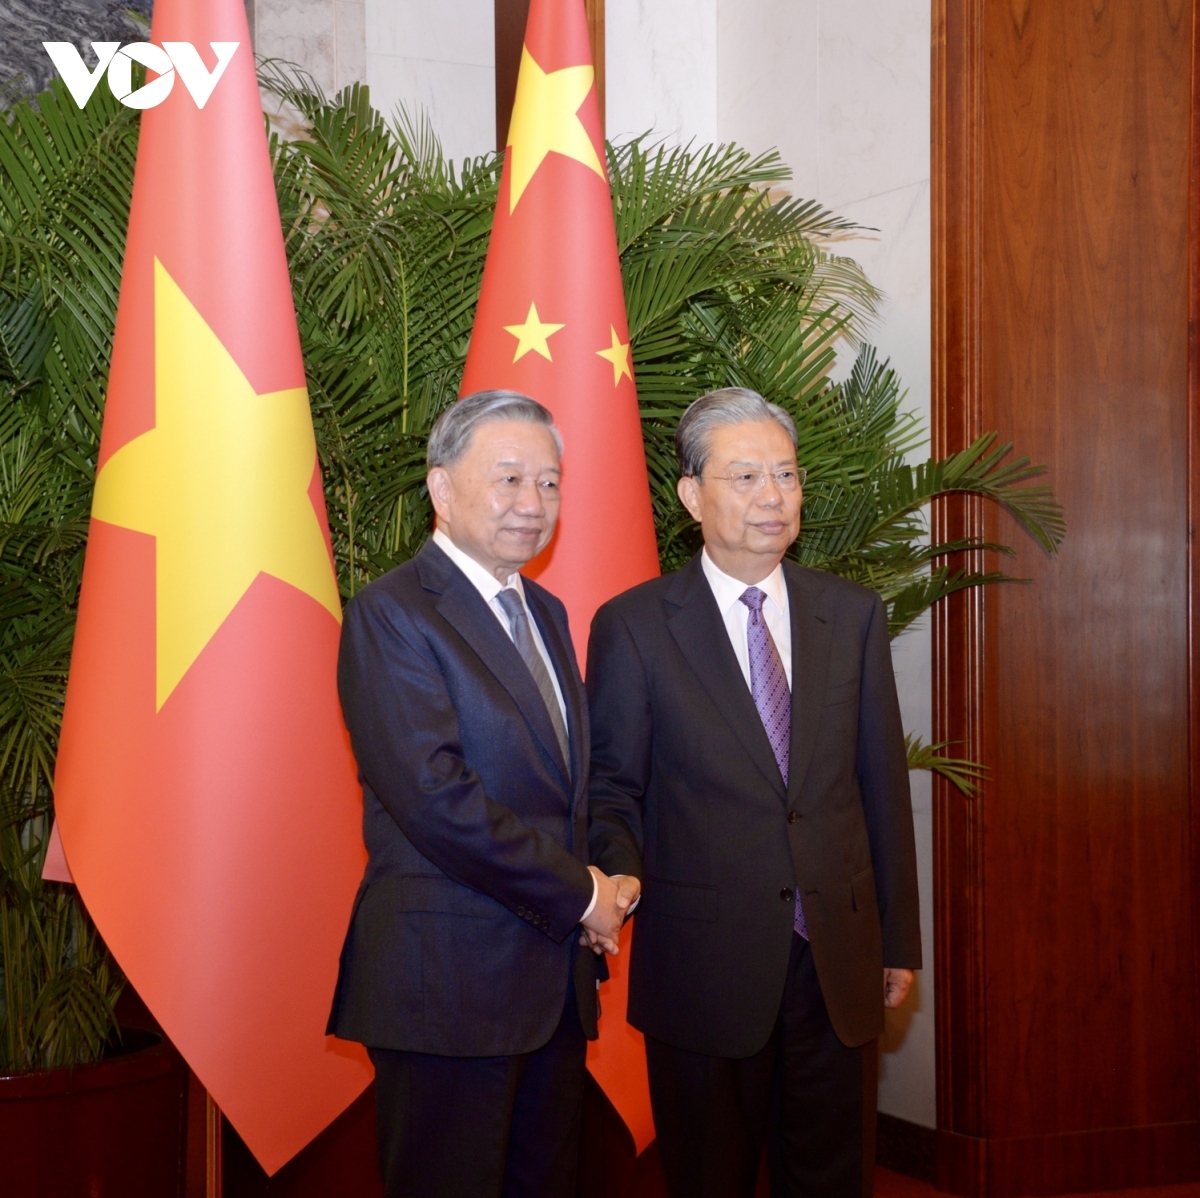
205 791
551 323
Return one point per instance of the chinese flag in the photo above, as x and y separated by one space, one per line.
551 322
205 791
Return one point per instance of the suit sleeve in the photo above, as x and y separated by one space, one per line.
405 734
883 780
619 708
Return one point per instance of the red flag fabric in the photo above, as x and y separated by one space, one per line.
205 790
551 322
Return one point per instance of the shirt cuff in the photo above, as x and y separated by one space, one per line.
595 895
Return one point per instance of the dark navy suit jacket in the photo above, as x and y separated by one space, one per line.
461 941
686 794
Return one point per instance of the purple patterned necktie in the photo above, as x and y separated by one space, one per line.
769 689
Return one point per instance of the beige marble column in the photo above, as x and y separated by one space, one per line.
324 37
436 57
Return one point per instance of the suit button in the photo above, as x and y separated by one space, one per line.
792 817
786 895
521 912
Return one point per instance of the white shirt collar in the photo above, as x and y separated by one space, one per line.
483 580
727 591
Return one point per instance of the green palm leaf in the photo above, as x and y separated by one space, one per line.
962 774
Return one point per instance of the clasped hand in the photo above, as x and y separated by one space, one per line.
614 898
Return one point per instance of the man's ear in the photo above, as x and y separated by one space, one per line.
688 490
438 482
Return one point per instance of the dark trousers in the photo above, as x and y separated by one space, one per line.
483 1127
802 1095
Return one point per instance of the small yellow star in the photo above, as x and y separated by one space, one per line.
533 334
544 119
221 483
618 355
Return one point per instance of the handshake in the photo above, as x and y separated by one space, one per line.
614 898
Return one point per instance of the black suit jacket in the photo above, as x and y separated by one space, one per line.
686 794
461 940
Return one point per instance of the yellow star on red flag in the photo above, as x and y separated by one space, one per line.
545 118
218 523
618 355
533 335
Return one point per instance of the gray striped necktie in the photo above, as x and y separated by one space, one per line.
522 634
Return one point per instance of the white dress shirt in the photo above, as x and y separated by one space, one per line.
728 593
487 584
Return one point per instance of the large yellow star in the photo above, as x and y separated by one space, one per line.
221 482
618 355
544 119
533 334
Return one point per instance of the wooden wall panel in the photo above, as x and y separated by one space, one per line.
510 37
1065 943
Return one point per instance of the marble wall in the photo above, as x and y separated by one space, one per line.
431 58
660 68
324 37
767 81
439 58
26 69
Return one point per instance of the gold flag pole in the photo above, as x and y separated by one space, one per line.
214 1178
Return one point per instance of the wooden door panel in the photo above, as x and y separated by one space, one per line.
1063 139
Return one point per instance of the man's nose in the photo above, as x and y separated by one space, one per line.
530 501
770 494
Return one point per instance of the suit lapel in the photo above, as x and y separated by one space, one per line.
464 608
565 668
700 633
812 635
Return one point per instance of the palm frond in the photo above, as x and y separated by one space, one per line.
963 774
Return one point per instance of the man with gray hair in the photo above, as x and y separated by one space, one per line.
748 764
462 970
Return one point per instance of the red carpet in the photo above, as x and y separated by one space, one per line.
893 1185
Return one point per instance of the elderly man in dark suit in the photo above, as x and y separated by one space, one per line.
748 764
462 971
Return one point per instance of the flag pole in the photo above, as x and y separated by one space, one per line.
214 1171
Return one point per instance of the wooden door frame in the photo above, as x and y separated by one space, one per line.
1193 390
958 622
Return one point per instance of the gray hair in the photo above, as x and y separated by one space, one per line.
730 405
453 429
